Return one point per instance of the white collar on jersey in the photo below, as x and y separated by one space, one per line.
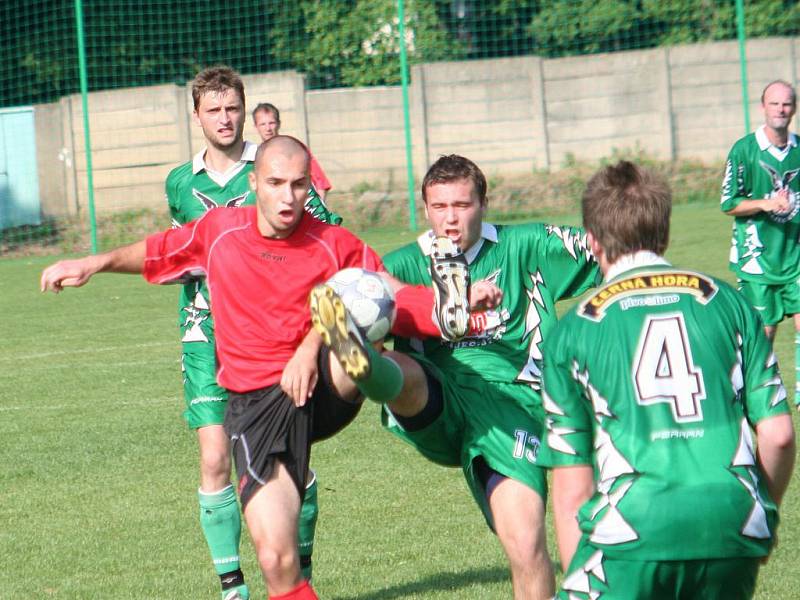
488 232
765 144
199 164
626 262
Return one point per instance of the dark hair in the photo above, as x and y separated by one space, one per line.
269 108
216 79
454 168
627 208
779 82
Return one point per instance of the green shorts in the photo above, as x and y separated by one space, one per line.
773 302
205 400
480 419
591 574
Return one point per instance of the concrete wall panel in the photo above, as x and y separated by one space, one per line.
510 115
51 159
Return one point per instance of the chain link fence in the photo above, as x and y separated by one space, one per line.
68 184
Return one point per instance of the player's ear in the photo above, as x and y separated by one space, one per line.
593 245
251 179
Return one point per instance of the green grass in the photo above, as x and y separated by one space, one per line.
98 472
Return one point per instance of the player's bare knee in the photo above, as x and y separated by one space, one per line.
277 564
215 465
524 545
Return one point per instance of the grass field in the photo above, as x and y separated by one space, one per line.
98 472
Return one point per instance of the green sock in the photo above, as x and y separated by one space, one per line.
797 368
385 379
222 527
307 526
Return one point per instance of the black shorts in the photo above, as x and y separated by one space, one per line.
264 425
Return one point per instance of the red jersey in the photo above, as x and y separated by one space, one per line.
318 178
259 286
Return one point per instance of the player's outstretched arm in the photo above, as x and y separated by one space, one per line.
572 486
776 453
482 294
77 272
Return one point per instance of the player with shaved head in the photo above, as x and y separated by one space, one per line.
218 175
260 264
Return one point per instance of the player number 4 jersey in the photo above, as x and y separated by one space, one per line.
656 380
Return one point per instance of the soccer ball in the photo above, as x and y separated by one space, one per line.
368 299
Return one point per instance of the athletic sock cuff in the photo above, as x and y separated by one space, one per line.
223 497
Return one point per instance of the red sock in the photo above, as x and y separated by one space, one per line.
304 591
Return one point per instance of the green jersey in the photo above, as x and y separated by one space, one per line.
534 265
765 246
191 190
655 380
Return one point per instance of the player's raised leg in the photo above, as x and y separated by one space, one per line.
376 376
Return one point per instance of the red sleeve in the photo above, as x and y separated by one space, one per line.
318 178
174 256
372 262
414 302
415 313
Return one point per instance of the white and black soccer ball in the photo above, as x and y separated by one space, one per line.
368 299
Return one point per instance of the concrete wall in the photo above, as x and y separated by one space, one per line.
706 91
357 134
137 137
489 110
510 115
52 160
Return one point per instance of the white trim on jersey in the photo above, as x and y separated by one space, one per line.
642 258
765 144
222 179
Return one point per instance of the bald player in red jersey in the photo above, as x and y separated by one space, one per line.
260 264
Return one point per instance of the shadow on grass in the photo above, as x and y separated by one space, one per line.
439 582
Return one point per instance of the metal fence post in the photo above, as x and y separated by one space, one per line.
87 142
412 210
743 63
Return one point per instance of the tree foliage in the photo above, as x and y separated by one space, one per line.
337 42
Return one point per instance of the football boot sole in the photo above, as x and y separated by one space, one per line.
330 319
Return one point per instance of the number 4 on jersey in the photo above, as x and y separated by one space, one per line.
663 369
